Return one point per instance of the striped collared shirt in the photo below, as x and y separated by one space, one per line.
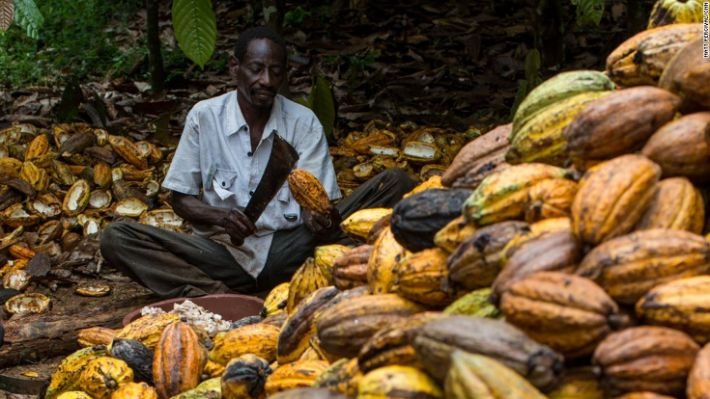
214 160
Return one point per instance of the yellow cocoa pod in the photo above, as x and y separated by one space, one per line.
397 381
453 234
384 258
308 191
360 222
10 167
35 176
325 256
276 300
74 395
38 147
259 339
147 329
307 279
245 377
96 336
104 375
477 376
299 374
134 390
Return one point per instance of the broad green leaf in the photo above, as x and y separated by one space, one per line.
28 17
7 10
321 101
195 29
589 11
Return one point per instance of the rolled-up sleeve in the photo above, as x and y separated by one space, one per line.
184 174
315 158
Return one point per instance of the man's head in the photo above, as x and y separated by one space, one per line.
259 65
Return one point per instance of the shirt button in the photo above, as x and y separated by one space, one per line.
224 184
251 193
250 153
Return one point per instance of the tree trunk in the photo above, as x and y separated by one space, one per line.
155 56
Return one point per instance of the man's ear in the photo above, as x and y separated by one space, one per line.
233 66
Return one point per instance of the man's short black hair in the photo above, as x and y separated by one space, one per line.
258 32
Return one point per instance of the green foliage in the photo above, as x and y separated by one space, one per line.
532 79
195 29
28 17
73 41
589 11
296 16
321 102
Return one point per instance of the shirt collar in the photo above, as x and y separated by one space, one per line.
236 121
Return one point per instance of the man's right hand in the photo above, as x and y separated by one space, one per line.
238 226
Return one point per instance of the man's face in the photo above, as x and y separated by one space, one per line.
261 73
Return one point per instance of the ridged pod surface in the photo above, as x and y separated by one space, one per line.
644 395
95 336
438 339
699 378
619 123
478 260
667 12
551 198
645 358
360 222
178 360
629 266
307 279
680 147
423 278
640 60
127 149
307 393
103 375
553 251
568 313
398 382
259 339
299 374
676 204
350 270
559 87
299 327
475 150
542 139
476 303
612 197
578 383
453 234
66 376
134 390
416 219
137 357
382 263
503 195
308 191
477 376
679 304
693 85
276 300
147 329
325 256
344 327
392 345
245 377
342 376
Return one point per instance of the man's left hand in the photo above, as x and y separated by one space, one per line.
322 224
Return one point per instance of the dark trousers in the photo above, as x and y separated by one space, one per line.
175 265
